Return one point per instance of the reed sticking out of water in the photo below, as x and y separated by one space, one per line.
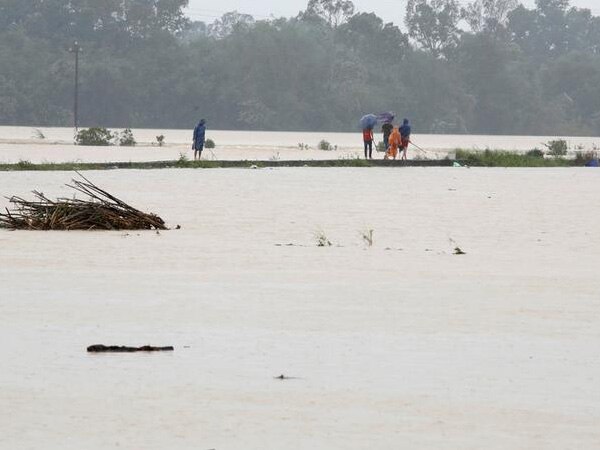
102 211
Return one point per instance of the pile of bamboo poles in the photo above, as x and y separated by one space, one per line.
102 211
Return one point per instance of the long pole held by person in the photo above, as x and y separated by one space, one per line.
76 49
424 151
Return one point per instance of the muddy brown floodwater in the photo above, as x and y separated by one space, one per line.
24 144
399 345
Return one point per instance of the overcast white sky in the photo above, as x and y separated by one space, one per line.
389 10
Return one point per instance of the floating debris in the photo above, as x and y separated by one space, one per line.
121 349
284 377
102 211
367 236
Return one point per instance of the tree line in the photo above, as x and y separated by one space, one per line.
492 66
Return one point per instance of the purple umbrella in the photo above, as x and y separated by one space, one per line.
386 117
368 122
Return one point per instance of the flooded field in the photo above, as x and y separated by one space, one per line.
25 143
401 344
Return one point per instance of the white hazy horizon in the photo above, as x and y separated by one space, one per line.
389 10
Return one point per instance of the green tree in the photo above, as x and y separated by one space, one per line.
488 15
574 79
228 23
333 12
553 29
431 92
433 24
107 21
500 82
534 71
369 36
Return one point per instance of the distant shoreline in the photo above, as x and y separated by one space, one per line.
472 161
206 164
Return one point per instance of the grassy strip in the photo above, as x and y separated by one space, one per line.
184 164
489 158
486 158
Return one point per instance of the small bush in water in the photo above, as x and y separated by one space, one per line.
322 240
557 148
535 153
183 159
324 145
24 164
126 138
583 158
209 143
94 136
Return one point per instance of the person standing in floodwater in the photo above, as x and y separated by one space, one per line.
405 131
395 141
199 138
368 141
387 129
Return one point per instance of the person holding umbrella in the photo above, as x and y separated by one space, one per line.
368 141
367 123
387 119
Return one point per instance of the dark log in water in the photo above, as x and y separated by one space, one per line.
118 349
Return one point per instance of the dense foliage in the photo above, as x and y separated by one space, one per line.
490 67
94 136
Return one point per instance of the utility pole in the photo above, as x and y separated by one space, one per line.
76 49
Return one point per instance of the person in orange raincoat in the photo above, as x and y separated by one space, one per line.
395 141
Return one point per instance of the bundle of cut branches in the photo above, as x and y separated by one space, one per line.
102 211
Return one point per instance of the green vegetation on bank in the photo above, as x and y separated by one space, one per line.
187 164
463 158
490 158
101 137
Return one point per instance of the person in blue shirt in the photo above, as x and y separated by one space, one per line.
405 131
199 138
